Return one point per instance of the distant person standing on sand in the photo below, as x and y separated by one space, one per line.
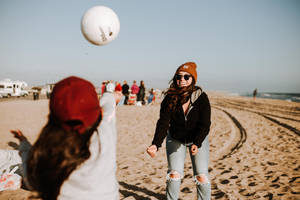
134 88
125 91
254 93
185 115
141 93
74 157
134 91
118 87
110 87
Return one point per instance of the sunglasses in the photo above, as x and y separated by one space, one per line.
186 77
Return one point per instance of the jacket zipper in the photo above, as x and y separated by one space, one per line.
185 116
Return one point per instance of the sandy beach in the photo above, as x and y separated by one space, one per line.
254 148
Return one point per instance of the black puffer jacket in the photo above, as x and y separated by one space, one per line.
193 127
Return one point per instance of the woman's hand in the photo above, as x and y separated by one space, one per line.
194 149
152 150
18 134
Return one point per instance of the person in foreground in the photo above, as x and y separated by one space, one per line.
74 157
185 118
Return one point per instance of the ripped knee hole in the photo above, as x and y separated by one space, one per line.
173 175
201 179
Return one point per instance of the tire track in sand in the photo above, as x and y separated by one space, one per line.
216 192
266 116
242 136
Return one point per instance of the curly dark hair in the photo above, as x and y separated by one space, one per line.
179 95
55 155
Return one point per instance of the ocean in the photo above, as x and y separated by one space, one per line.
293 97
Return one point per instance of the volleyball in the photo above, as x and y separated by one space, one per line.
100 25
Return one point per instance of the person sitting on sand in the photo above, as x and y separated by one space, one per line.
185 118
74 157
151 96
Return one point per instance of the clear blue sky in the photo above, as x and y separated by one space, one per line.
238 45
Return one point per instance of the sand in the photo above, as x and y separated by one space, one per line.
254 148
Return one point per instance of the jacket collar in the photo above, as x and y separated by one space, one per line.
195 95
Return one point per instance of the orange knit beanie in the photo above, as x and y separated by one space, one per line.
189 67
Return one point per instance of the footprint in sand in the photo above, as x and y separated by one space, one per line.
271 163
188 176
293 179
252 184
233 177
268 177
218 195
269 195
275 180
225 181
242 190
225 172
186 190
250 194
275 186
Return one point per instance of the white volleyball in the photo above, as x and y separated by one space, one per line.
100 25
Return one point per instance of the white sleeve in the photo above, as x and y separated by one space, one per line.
108 104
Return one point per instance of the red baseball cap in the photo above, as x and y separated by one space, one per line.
75 99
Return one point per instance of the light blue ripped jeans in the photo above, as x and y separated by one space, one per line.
176 152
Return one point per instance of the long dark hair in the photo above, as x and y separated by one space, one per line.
179 95
55 155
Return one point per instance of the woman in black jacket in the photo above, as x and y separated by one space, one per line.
185 120
141 94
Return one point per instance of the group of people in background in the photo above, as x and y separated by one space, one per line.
132 95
